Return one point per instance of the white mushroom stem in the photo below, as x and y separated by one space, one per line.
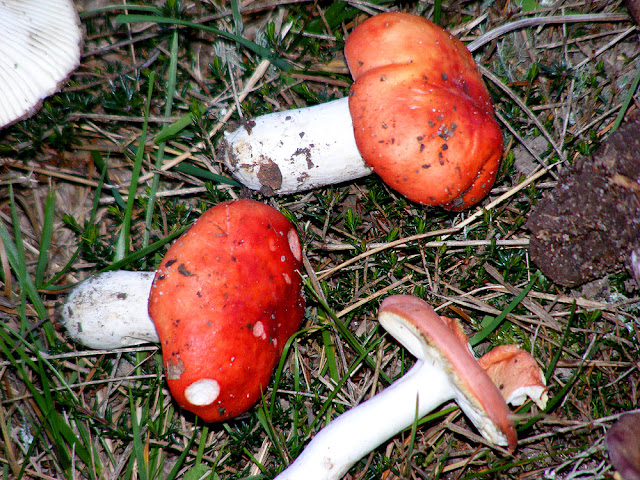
432 381
295 150
109 310
348 438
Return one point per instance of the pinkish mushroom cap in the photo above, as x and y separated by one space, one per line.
516 374
623 443
426 335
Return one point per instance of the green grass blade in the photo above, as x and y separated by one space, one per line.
412 438
171 131
330 352
345 333
45 238
627 101
138 446
102 166
237 16
437 12
132 257
205 174
61 434
17 262
267 425
332 395
122 247
489 324
565 336
168 107
120 8
81 245
280 368
179 465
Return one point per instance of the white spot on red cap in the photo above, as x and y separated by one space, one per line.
259 331
294 244
202 392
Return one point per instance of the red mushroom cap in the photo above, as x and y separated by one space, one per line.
623 444
225 299
422 116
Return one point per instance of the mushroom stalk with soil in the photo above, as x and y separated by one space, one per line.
301 149
418 114
444 370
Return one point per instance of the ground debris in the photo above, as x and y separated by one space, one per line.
589 224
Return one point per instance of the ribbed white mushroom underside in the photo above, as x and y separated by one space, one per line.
39 46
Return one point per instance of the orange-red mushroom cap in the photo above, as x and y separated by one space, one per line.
422 117
225 299
516 374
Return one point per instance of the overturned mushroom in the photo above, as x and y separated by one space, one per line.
512 370
444 370
39 46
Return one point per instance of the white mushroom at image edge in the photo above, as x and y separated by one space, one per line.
444 370
40 44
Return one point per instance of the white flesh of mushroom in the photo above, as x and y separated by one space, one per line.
296 150
109 310
39 45
348 438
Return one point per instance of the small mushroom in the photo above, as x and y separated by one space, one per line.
444 370
511 369
516 374
419 112
224 301
40 44
623 444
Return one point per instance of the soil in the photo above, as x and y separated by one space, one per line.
589 224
